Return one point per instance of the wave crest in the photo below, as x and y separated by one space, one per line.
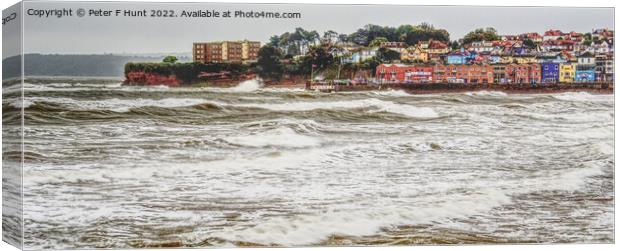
281 136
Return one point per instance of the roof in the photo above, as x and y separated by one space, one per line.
553 33
586 55
532 35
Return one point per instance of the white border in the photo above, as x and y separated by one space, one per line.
573 3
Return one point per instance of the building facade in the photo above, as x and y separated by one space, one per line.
585 75
468 74
414 53
550 72
567 72
586 68
401 73
226 52
523 73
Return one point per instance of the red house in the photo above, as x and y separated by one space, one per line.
400 73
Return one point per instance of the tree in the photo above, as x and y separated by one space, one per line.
454 45
318 57
363 36
343 38
422 32
268 64
587 42
170 59
274 41
295 43
386 55
488 34
330 36
529 43
370 64
377 41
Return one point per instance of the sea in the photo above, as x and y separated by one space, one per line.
114 166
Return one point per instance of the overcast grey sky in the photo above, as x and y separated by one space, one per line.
94 35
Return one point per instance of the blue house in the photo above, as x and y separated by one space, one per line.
550 72
461 57
495 59
557 58
585 75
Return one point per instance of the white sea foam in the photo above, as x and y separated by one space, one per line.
282 89
296 181
367 220
575 96
282 136
392 93
21 103
605 148
117 105
487 93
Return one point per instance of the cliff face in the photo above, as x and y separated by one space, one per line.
176 74
144 78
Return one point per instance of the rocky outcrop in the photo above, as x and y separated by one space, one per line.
144 78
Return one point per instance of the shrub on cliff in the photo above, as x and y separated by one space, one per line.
186 72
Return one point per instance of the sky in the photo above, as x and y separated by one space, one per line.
137 35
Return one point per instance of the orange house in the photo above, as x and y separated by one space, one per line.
463 74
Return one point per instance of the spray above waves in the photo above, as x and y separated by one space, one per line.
248 86
251 85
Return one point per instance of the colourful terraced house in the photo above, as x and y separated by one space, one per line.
550 72
567 72
585 75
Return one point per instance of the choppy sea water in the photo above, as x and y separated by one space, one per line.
123 166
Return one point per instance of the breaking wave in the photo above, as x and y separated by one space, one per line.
582 97
383 106
116 105
282 136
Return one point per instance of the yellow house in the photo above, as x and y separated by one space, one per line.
434 47
414 53
567 72
525 59
506 59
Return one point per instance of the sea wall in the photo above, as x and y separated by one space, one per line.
605 87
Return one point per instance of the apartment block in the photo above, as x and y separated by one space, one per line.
226 52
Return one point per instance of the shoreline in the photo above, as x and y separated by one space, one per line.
413 90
